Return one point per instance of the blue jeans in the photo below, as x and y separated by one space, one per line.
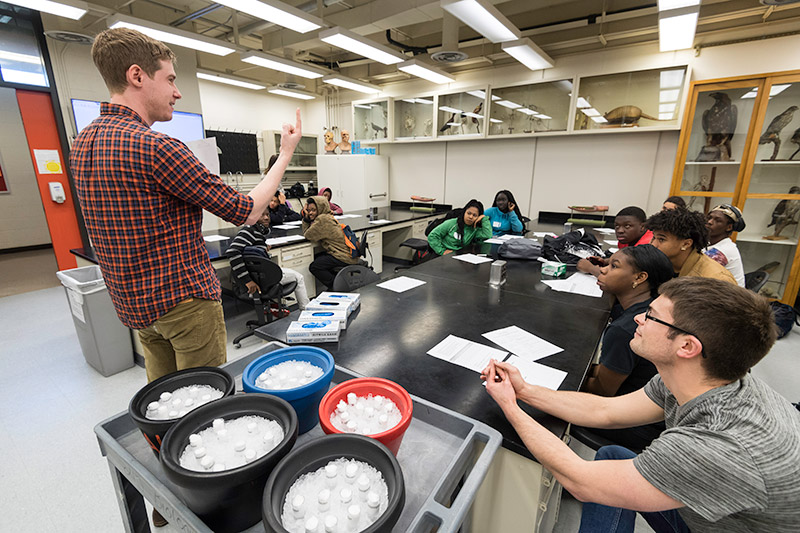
597 518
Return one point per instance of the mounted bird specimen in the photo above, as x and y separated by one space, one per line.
475 119
796 140
719 124
448 123
785 214
773 131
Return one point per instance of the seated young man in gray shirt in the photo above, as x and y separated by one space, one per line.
729 459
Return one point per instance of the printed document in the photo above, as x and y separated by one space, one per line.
537 373
519 342
578 283
463 352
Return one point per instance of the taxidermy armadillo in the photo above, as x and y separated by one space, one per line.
626 114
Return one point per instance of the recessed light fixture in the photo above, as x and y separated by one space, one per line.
482 95
172 35
509 104
448 109
526 52
526 111
667 108
666 5
583 103
71 9
282 64
665 116
426 72
668 95
291 93
670 79
423 101
599 120
364 106
352 42
211 76
277 13
676 28
591 112
495 121
483 17
350 83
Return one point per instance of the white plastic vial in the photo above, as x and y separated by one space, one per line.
363 485
330 524
352 398
249 456
153 406
239 446
312 524
346 495
165 396
207 462
373 504
195 440
199 452
297 506
350 472
324 500
353 517
218 424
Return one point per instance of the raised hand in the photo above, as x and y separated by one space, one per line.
290 135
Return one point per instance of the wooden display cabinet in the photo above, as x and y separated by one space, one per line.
740 144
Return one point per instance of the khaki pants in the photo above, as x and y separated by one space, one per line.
189 335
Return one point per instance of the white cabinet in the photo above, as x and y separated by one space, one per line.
356 181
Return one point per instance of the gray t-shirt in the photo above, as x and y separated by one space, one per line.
731 456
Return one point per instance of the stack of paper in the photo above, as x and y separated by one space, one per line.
578 283
472 258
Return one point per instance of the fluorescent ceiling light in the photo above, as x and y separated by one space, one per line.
454 124
583 103
291 93
669 95
778 89
423 101
676 28
482 95
277 13
545 117
495 121
364 106
350 83
426 72
752 94
666 108
447 109
473 115
591 112
352 42
229 81
171 35
409 100
71 9
484 18
666 5
20 58
283 65
599 120
665 116
526 52
509 104
24 77
671 79
526 111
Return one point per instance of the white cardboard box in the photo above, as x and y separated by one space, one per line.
319 331
318 304
329 314
351 296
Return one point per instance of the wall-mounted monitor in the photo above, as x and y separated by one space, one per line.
184 126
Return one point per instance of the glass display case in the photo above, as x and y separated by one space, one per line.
461 114
371 121
740 144
530 108
643 99
413 118
305 155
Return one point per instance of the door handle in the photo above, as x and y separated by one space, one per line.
377 195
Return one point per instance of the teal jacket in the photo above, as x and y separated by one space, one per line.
504 223
445 236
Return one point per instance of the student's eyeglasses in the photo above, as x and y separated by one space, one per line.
648 316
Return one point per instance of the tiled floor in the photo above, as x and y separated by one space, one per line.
52 476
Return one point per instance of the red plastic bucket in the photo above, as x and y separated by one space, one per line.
364 387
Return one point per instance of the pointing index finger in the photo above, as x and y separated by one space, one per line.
299 122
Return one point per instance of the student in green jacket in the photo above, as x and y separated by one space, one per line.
456 233
320 227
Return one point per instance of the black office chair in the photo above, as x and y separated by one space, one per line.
267 276
593 440
421 251
353 277
755 280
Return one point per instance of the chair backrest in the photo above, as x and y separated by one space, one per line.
353 277
362 244
264 272
755 280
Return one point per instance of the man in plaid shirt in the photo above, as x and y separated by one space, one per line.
143 195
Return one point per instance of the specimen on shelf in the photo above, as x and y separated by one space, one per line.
702 185
785 214
719 123
475 119
773 132
796 140
627 115
448 123
330 143
344 146
379 129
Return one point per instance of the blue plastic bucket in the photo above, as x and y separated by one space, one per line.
305 400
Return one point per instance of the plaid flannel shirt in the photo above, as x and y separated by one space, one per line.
142 194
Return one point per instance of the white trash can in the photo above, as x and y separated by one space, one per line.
105 342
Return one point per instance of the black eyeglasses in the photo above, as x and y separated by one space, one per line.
648 316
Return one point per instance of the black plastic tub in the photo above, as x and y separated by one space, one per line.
316 454
229 500
154 430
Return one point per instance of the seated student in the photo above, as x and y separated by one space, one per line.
280 211
255 236
633 276
504 215
630 231
723 220
456 233
326 192
319 226
681 234
729 459
673 202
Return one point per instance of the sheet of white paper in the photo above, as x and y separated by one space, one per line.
607 231
543 233
494 241
284 226
381 221
463 352
206 151
518 341
215 238
47 161
537 373
509 237
339 217
401 284
294 223
472 258
292 238
578 283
